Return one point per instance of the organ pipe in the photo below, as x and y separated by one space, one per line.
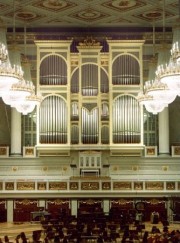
126 120
90 126
53 71
89 80
126 71
53 120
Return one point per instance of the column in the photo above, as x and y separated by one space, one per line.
169 210
74 206
9 211
106 206
15 133
164 132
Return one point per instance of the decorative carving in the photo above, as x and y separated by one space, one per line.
104 63
41 186
74 63
170 185
58 202
106 185
89 202
73 185
45 168
29 152
29 186
155 201
14 168
151 151
175 151
90 186
122 185
165 168
89 42
57 185
135 168
154 185
4 151
55 5
26 202
9 186
138 185
121 202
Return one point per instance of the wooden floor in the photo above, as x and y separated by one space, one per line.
13 229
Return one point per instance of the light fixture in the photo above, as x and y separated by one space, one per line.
31 100
150 102
28 104
163 90
17 93
8 74
150 96
170 74
15 90
160 92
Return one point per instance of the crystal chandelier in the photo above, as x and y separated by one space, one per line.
28 104
17 93
155 93
151 104
19 90
31 100
161 91
170 74
164 89
16 90
9 74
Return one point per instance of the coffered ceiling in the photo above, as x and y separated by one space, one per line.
88 13
58 19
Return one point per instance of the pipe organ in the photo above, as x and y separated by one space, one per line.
53 71
126 122
89 97
53 120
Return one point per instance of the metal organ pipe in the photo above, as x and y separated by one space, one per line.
126 123
126 70
90 126
53 71
53 120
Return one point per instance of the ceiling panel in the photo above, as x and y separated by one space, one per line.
121 19
94 13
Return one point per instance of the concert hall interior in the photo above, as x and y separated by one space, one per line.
89 120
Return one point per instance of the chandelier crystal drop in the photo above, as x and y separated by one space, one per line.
154 107
160 92
3 53
28 104
170 73
151 104
18 92
9 75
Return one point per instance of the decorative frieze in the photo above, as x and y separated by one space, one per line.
99 185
